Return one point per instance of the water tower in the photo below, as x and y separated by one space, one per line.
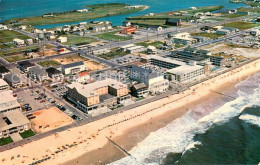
41 41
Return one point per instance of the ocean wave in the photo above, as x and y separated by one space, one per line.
177 137
252 119
191 146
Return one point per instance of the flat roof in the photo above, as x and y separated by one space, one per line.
2 82
13 78
168 60
12 119
3 69
8 96
184 69
79 63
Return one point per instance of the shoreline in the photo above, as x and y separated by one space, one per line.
89 137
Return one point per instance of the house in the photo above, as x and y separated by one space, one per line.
62 39
82 24
66 28
13 122
47 15
102 28
13 80
155 81
173 22
205 28
22 27
255 32
151 14
82 10
231 29
183 38
55 74
82 77
139 90
127 23
3 71
193 8
9 103
3 85
29 41
151 50
155 28
3 27
102 93
17 41
25 65
73 68
129 30
38 73
135 49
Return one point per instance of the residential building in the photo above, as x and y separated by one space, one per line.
73 68
135 49
25 65
38 73
173 22
13 80
151 50
3 85
89 97
185 72
129 30
183 38
29 41
13 122
127 23
55 74
155 28
3 27
222 32
9 103
165 62
17 41
82 77
62 39
101 51
139 90
255 32
82 10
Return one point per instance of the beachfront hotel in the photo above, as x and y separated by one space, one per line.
102 93
3 85
8 102
13 122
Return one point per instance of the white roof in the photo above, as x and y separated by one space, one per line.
135 47
184 69
169 60
8 96
2 82
127 46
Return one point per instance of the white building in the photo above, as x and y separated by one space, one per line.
3 27
38 74
82 10
9 103
73 68
101 51
82 77
151 50
17 41
62 39
3 85
183 38
29 41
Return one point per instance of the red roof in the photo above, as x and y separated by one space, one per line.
129 28
83 74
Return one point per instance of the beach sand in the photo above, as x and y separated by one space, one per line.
88 144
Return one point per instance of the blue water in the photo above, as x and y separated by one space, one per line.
25 8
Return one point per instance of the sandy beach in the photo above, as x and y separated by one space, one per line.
82 145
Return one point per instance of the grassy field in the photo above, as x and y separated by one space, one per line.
160 18
18 50
49 63
9 35
233 15
207 35
27 134
96 11
241 25
4 141
6 45
114 53
15 58
111 36
157 44
249 9
74 39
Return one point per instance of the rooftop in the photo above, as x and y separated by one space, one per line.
3 69
25 64
3 82
38 71
13 78
168 60
73 64
184 69
12 119
53 70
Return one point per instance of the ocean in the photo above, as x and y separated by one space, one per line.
26 8
224 132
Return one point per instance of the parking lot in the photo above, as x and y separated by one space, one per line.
125 59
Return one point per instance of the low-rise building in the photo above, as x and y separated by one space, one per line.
29 41
62 39
55 74
3 85
135 49
165 62
222 32
13 80
151 50
155 28
17 41
129 30
9 103
101 51
82 77
13 122
89 97
73 68
3 71
3 27
38 73
183 38
25 65
82 10
139 90
173 22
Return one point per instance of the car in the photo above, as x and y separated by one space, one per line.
26 105
42 101
28 108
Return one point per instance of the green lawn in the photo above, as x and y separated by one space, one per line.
4 141
27 134
111 36
15 58
18 50
49 63
176 46
114 53
241 25
233 15
157 44
74 39
9 35
96 11
249 9
6 45
207 35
